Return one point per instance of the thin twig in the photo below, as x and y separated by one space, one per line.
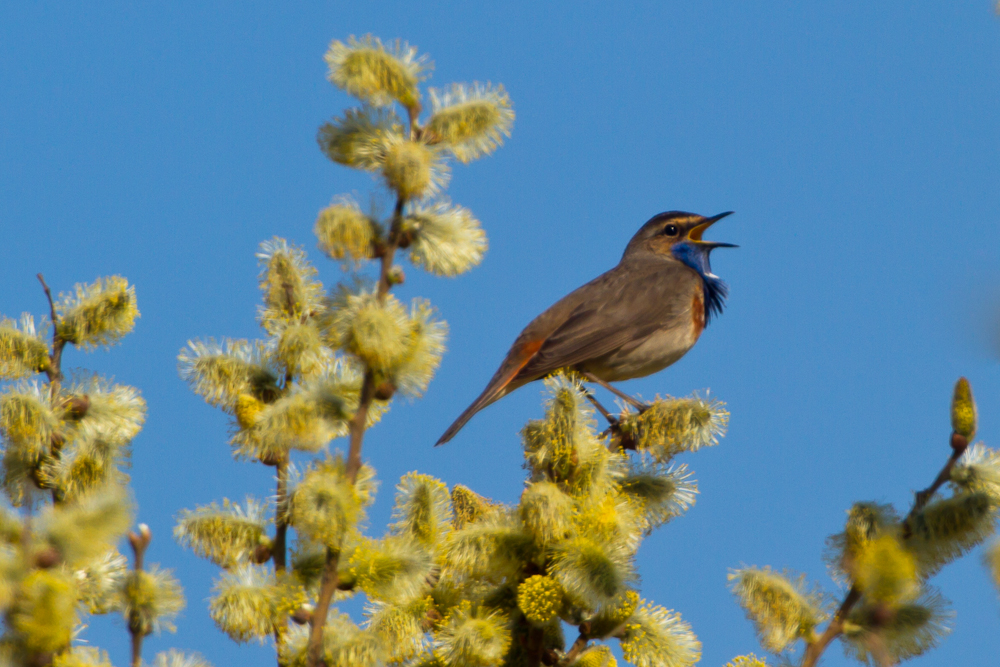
279 545
958 446
578 646
139 542
815 649
278 548
836 626
54 373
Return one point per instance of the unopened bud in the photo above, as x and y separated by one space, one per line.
77 406
139 541
47 558
261 554
302 615
396 276
959 442
271 458
963 409
385 390
881 615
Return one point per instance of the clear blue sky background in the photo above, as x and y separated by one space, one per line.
856 140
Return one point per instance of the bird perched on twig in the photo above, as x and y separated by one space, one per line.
634 320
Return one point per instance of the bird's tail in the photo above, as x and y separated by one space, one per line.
487 397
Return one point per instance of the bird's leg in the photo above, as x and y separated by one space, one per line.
638 405
619 441
612 420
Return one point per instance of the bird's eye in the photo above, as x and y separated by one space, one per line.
670 230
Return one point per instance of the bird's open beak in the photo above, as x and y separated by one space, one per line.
699 229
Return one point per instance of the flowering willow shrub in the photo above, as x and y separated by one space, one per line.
331 361
65 446
889 612
458 580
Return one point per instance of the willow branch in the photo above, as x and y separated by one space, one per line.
833 630
281 520
535 647
836 626
54 373
577 648
959 444
139 543
329 583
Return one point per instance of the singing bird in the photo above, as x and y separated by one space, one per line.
634 320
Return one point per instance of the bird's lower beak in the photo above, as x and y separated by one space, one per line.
698 230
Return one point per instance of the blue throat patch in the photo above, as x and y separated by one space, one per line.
716 290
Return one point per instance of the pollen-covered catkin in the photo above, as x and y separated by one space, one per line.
345 233
470 120
540 598
886 572
97 314
375 72
23 351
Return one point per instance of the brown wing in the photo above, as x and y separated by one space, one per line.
628 301
619 309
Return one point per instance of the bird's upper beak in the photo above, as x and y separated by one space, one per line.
696 232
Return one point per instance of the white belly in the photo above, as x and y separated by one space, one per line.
645 357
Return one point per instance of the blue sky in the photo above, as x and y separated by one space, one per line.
856 141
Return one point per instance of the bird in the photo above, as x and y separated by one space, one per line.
632 321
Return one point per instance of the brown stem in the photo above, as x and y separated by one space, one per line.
328 586
54 373
578 646
535 647
815 649
281 520
357 424
836 626
958 445
139 542
413 112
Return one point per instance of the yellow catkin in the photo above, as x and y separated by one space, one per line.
540 598
885 571
749 660
407 168
596 656
624 611
44 614
468 506
345 233
963 409
375 72
247 410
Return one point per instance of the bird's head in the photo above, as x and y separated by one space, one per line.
677 235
